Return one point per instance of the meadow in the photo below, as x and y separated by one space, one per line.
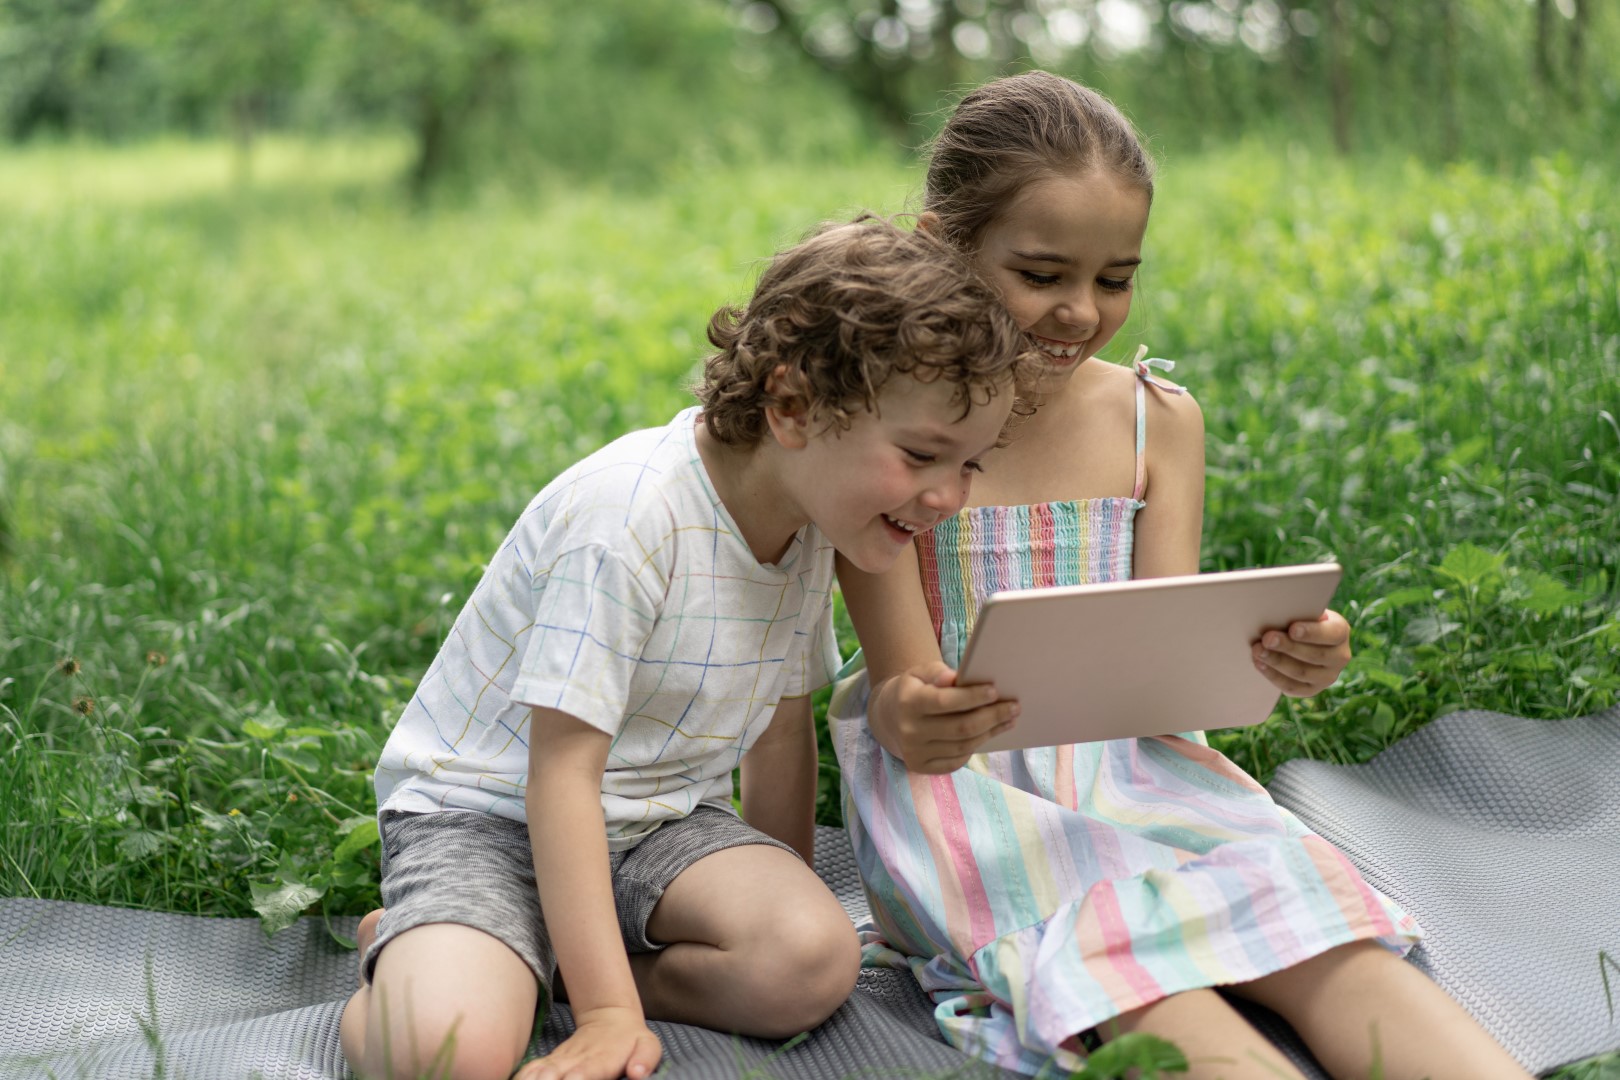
256 444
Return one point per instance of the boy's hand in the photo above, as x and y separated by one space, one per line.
607 1044
922 717
1307 657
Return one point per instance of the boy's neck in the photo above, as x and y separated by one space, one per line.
749 487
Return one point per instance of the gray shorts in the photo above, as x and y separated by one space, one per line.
477 870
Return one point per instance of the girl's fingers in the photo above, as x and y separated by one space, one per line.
1288 685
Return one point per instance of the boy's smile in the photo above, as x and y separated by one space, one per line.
897 471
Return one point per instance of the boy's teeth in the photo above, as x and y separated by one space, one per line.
899 524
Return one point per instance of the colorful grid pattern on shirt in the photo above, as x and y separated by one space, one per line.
1038 893
624 596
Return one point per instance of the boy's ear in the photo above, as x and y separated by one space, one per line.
928 222
789 416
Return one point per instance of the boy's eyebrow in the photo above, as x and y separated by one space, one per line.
1064 260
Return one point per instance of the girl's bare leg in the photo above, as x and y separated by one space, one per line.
446 1001
1218 1042
1361 1008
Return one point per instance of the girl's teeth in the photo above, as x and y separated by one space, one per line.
899 524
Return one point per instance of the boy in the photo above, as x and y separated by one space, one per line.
659 614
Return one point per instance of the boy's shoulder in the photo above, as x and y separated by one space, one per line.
650 479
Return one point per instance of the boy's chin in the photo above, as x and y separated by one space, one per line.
868 562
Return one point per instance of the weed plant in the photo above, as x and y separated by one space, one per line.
255 446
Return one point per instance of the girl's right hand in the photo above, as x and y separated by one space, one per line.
923 718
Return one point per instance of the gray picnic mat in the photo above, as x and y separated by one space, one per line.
110 994
1502 836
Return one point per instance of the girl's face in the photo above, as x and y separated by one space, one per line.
1064 255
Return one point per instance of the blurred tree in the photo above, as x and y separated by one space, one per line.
49 50
433 63
240 58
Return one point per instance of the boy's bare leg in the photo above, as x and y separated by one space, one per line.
761 947
1361 1007
1218 1042
446 1001
365 934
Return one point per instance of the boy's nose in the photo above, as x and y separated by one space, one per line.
947 497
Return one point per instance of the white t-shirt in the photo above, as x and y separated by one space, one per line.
624 596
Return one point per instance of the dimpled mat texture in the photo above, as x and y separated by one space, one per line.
1502 835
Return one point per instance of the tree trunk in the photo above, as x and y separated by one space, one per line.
244 126
1450 126
1544 44
1340 92
432 136
1577 52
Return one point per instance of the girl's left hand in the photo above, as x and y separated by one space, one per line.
1306 658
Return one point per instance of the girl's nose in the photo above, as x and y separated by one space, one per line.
1078 309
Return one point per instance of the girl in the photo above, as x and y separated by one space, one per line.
1050 899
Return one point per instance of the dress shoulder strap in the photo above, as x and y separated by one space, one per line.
1144 367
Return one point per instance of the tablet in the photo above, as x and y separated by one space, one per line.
1122 659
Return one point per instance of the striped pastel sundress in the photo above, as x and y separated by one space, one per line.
1038 893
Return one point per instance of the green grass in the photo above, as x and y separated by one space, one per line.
255 446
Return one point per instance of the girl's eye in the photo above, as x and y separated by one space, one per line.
972 466
1032 278
1115 284
919 457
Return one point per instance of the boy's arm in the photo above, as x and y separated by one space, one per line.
915 709
567 833
779 775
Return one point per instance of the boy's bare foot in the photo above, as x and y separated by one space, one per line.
366 934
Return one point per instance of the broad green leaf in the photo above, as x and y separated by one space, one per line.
1412 594
1467 564
1544 594
265 722
141 843
359 839
1428 629
280 903
1137 1050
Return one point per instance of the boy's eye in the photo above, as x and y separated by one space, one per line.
919 457
972 466
1115 284
1032 278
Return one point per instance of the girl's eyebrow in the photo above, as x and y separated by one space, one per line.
1064 260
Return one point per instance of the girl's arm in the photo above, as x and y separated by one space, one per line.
1300 660
569 837
779 779
915 709
1169 529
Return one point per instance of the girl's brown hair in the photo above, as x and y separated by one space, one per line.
1006 133
835 317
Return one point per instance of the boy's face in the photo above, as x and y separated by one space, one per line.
898 470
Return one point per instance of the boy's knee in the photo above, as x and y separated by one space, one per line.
466 1048
812 973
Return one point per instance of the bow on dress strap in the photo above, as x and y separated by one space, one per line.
1144 370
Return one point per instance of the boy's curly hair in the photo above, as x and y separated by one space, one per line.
836 316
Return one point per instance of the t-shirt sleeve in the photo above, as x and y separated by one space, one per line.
592 620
